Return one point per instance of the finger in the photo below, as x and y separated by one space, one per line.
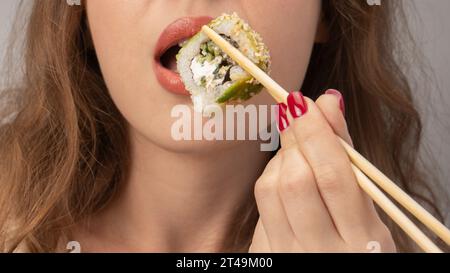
306 212
330 165
270 208
287 137
332 106
260 242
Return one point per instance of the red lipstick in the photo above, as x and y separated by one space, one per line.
178 31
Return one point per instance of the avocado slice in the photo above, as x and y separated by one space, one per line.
240 90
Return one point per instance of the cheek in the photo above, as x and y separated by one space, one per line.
290 35
123 53
124 41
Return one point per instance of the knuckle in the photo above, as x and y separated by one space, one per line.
294 181
266 183
273 162
272 165
264 187
289 185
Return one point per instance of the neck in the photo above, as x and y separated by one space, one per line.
184 202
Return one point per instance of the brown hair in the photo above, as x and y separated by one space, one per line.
361 59
65 152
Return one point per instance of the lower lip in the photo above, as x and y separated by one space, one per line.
176 32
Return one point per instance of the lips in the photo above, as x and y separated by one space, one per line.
165 51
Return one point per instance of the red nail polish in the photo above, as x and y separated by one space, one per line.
340 98
297 105
283 122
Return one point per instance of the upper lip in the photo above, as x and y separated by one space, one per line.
175 33
181 29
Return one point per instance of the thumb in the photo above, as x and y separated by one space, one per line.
332 106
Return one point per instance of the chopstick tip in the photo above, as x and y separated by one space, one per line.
205 28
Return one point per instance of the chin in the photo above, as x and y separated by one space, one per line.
167 143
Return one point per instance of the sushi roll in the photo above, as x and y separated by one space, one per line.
212 77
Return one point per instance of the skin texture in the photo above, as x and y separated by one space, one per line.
176 198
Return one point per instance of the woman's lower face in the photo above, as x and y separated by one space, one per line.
126 33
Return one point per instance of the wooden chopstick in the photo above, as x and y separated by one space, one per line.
280 95
394 212
397 193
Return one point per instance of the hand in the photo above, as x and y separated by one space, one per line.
308 197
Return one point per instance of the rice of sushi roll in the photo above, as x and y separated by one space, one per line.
213 78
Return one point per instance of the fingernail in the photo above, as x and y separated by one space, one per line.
283 122
340 98
297 105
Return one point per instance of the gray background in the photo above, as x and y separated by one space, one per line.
430 23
